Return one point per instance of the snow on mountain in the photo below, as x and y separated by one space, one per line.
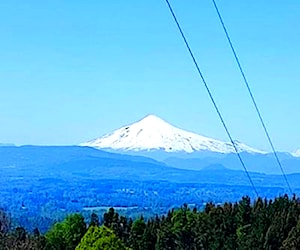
153 133
296 153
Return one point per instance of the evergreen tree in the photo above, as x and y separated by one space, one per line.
292 242
94 220
136 234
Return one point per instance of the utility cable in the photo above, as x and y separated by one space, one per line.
251 95
211 96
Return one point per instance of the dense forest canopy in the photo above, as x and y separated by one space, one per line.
261 224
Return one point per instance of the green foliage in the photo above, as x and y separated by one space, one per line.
19 239
261 224
292 242
119 224
100 238
136 234
67 234
94 220
242 225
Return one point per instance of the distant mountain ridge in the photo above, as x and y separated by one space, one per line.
153 133
85 162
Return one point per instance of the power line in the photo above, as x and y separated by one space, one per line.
210 95
252 96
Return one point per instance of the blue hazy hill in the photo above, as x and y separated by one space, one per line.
42 184
89 162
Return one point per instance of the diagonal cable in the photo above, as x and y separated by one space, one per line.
211 96
252 96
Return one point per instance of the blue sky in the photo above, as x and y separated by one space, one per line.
71 71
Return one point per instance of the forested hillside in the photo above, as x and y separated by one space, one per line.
259 224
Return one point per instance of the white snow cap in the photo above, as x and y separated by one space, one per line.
153 133
296 153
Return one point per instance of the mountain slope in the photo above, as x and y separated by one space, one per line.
296 153
152 133
18 164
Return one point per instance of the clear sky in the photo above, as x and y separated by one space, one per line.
71 71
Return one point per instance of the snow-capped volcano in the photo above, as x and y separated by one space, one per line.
152 133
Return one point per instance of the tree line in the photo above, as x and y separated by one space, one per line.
261 224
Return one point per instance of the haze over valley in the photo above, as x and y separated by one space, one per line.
145 165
